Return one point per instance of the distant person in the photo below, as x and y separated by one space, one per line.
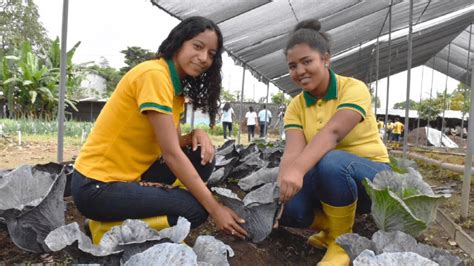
397 130
136 163
265 119
389 130
227 115
5 111
280 124
251 121
381 127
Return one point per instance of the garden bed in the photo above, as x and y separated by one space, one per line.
285 246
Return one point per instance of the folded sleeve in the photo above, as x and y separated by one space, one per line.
154 92
355 96
293 115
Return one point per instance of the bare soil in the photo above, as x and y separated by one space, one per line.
285 246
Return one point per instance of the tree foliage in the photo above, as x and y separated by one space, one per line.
430 109
280 98
134 55
228 96
30 81
376 102
18 23
402 105
460 99
111 75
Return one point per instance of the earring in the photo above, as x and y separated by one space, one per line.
326 65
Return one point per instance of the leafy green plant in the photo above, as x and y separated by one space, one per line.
39 127
217 130
395 166
402 202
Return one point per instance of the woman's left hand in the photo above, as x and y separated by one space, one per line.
200 138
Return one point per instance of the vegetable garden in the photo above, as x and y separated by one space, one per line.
237 175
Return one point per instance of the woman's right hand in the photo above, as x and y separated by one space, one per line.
290 181
228 221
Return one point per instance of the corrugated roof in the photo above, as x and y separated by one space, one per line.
255 33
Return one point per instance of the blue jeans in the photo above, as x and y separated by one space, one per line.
263 128
116 201
225 126
335 180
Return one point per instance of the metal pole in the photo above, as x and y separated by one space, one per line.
466 184
467 79
431 94
62 81
445 95
407 105
266 112
377 74
419 103
282 118
241 100
388 70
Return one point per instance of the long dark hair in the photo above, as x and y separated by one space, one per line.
226 107
308 31
204 91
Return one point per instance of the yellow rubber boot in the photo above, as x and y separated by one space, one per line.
340 221
177 183
98 229
320 223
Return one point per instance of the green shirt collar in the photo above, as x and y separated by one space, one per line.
178 90
330 95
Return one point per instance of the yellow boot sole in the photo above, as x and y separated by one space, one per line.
335 256
98 228
319 240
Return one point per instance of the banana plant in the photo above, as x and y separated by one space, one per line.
30 83
8 80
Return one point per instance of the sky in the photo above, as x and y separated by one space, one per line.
106 27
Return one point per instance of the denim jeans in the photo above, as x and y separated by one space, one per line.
251 132
263 128
116 201
335 180
227 126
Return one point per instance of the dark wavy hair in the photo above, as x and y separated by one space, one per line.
308 31
226 107
204 91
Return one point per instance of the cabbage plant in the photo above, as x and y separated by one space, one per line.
402 202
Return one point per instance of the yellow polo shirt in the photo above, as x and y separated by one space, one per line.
122 144
398 128
380 125
310 114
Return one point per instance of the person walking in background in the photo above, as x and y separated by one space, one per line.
265 119
381 127
397 130
389 130
251 121
227 115
280 124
